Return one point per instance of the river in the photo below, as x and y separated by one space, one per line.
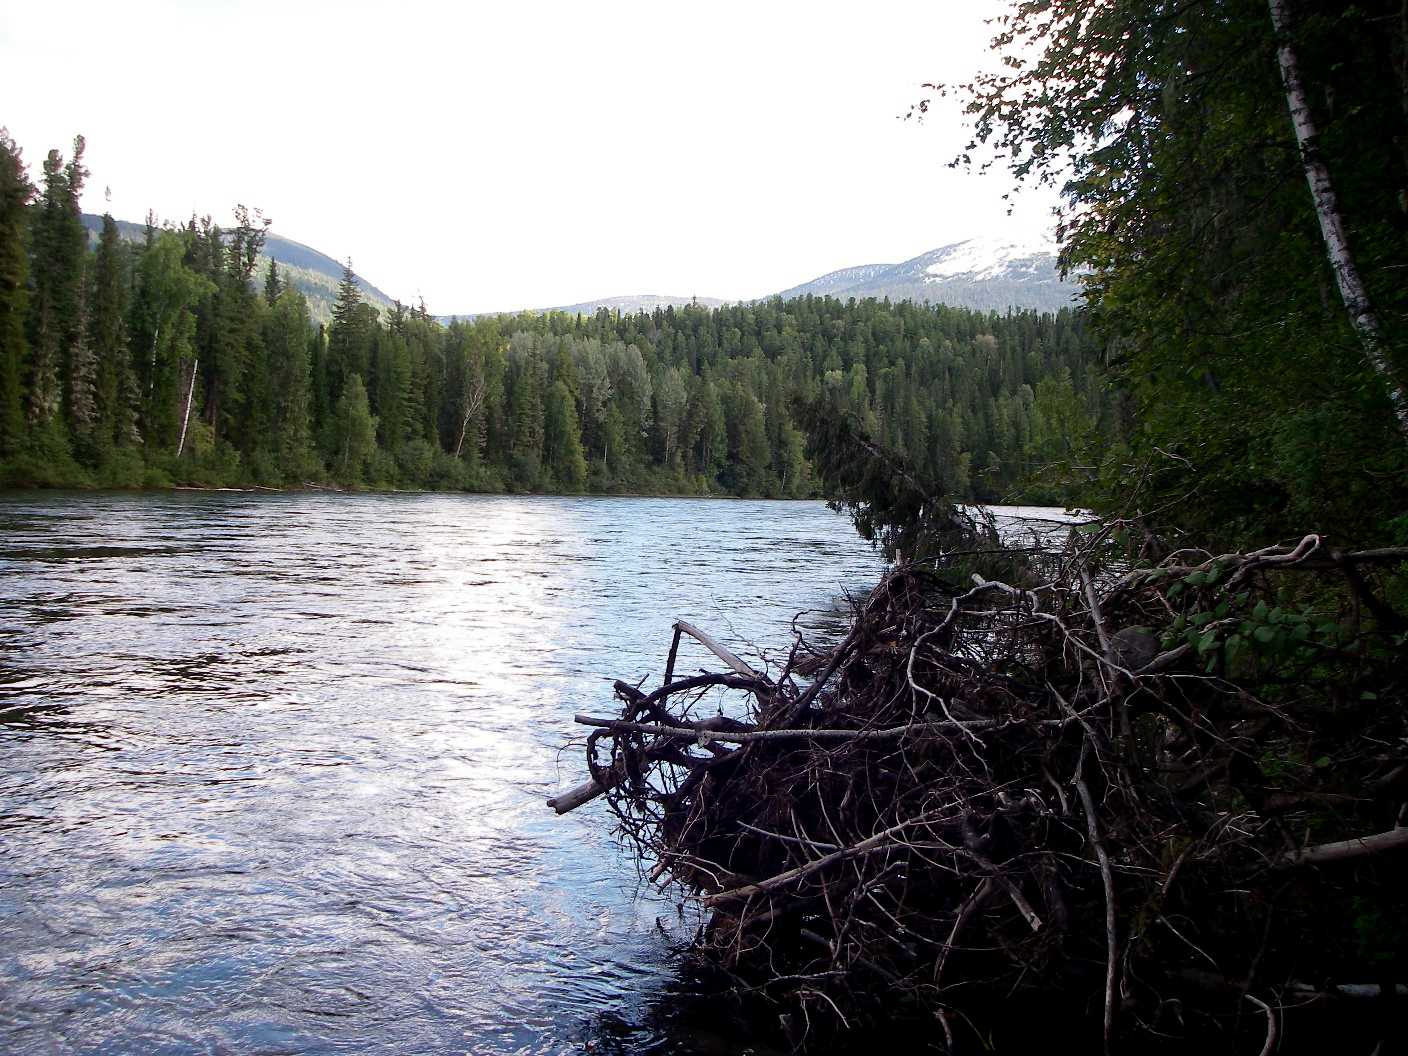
272 767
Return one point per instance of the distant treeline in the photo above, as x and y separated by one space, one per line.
173 360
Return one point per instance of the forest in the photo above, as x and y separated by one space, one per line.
171 361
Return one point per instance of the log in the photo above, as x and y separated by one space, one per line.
576 797
716 647
703 734
1342 850
1112 945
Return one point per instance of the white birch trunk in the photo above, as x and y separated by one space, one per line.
1327 209
473 401
151 369
186 418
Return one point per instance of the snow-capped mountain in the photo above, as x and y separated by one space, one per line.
636 302
833 282
981 273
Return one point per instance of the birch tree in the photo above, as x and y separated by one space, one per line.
1332 227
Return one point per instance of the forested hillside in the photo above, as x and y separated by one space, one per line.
177 358
311 273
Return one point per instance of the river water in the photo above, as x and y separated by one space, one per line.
272 767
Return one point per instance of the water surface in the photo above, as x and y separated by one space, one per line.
272 767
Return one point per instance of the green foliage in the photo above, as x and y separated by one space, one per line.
562 445
1252 409
15 193
354 433
44 458
181 352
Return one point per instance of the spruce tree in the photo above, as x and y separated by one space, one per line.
349 335
59 245
15 193
81 369
273 285
115 411
288 340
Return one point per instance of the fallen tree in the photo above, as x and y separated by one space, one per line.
1169 792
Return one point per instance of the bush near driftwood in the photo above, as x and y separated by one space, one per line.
1163 791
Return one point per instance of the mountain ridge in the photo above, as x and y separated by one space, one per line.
310 271
983 274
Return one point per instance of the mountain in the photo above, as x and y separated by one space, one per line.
834 283
637 302
980 273
627 305
316 275
985 274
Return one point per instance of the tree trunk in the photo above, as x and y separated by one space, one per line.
474 399
151 368
1327 210
186 418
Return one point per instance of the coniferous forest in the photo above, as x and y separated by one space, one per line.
177 359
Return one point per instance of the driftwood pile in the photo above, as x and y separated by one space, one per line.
1162 795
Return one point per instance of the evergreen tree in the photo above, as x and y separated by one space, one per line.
116 391
15 193
61 375
289 339
348 335
562 443
238 385
273 285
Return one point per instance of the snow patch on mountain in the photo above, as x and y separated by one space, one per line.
987 258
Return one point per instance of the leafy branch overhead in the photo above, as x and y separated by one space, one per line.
1234 181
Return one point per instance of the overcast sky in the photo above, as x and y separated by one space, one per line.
523 154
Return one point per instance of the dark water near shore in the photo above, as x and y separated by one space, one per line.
272 768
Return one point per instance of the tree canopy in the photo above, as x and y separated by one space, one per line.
170 360
1255 407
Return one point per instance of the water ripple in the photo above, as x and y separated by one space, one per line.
274 765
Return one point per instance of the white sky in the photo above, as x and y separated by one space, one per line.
523 154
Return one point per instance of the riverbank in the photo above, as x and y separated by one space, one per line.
1021 506
1160 798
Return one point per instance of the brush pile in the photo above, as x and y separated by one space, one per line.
1166 796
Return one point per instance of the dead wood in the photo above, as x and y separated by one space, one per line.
996 787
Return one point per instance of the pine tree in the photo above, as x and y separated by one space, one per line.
349 335
61 376
15 193
288 340
81 370
232 354
273 285
116 413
